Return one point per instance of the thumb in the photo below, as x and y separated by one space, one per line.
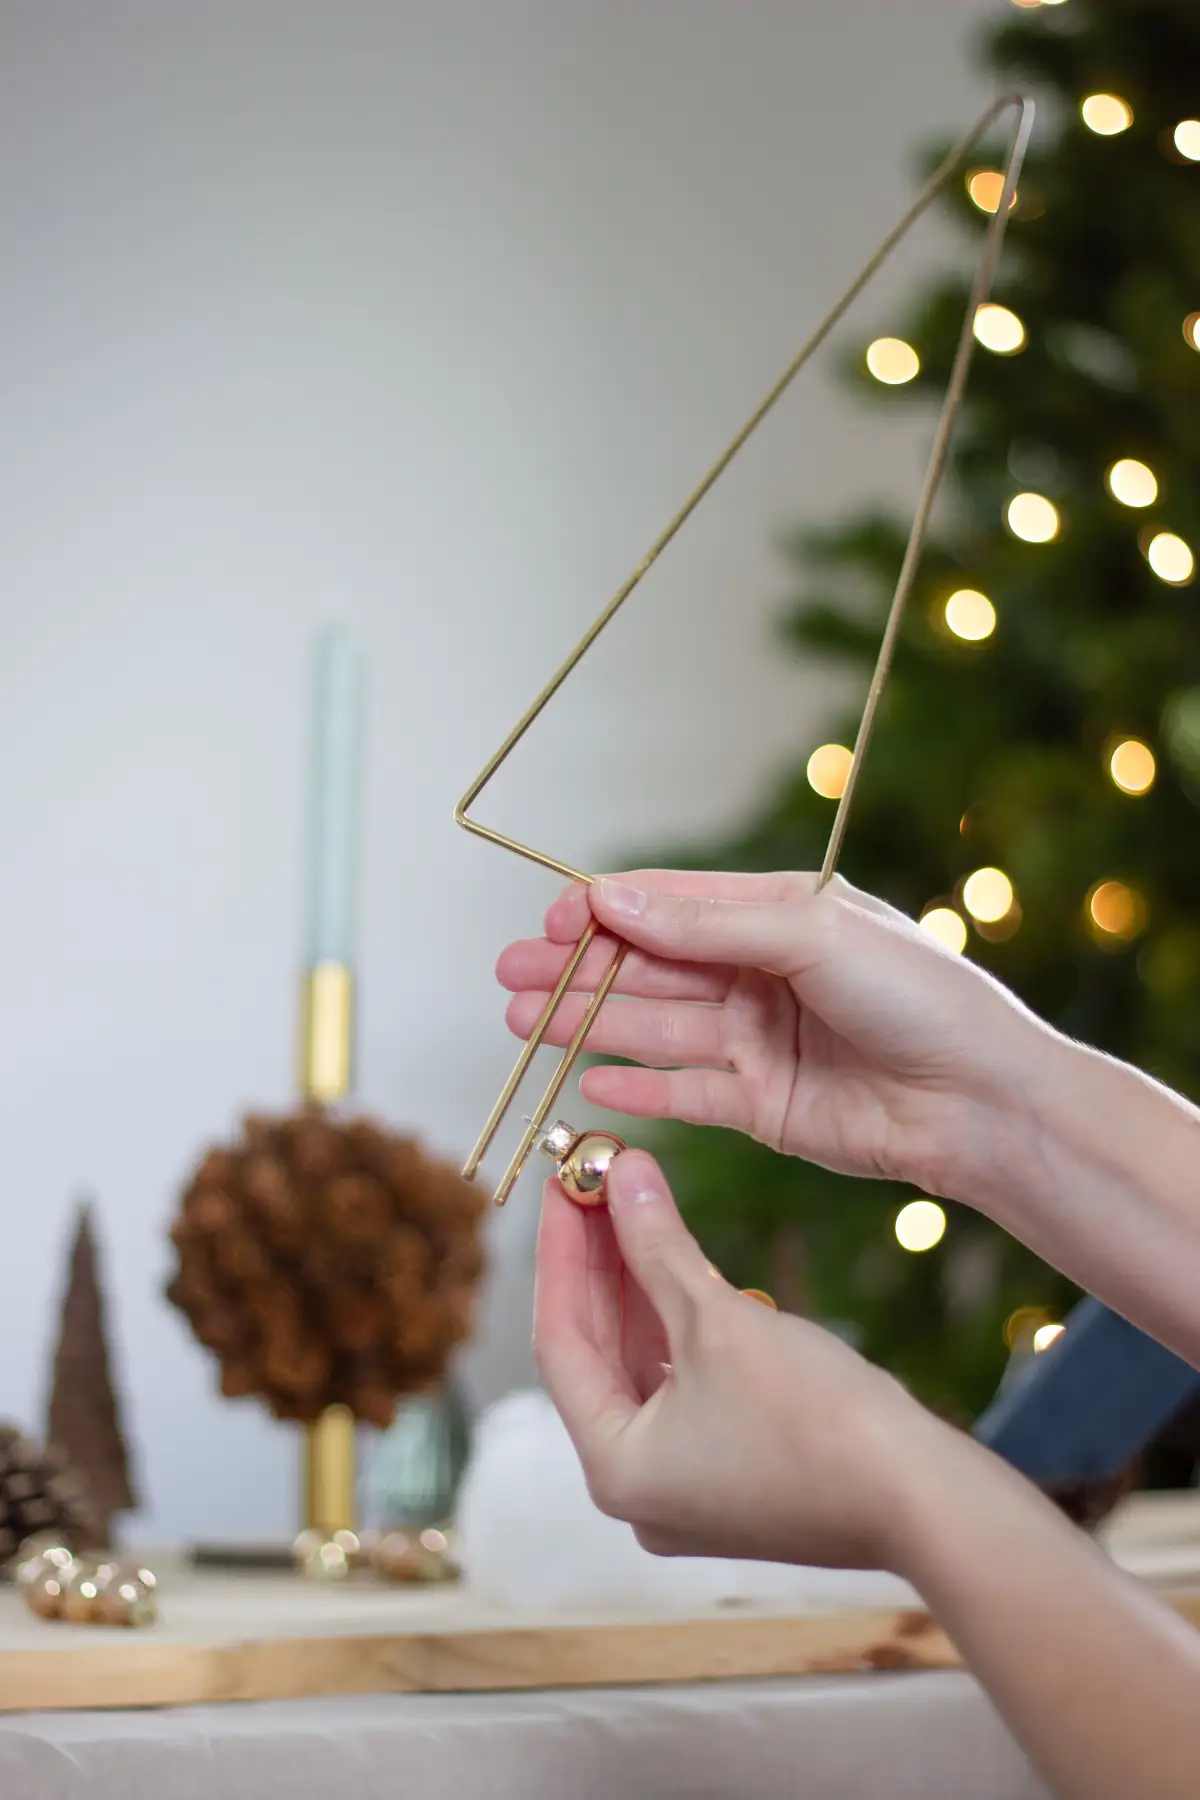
658 1249
780 935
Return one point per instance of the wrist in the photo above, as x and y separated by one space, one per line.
1002 1151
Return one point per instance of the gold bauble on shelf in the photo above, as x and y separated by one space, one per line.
43 1591
415 1556
110 1591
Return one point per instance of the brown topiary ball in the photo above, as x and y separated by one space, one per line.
327 1261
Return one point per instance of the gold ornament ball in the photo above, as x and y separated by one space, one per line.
81 1597
307 1544
328 1562
126 1594
44 1593
46 1547
401 1556
583 1169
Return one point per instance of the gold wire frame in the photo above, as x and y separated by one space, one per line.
940 179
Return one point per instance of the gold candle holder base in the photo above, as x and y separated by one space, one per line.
329 1472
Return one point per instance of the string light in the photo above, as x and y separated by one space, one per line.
988 895
998 328
947 926
827 770
920 1225
1132 766
1020 1325
1116 910
1033 518
970 615
1106 114
1045 1335
1171 559
1186 138
1132 483
986 188
892 361
1191 330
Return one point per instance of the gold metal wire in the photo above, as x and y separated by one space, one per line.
952 401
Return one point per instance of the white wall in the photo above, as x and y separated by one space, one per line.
433 312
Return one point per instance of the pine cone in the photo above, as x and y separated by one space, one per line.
40 1492
326 1261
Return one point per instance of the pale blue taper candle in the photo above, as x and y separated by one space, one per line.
334 799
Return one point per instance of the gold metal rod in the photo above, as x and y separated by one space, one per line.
528 1052
941 177
570 1056
935 467
929 487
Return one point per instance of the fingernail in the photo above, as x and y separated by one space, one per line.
634 1180
626 902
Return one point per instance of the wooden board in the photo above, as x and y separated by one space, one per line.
228 1637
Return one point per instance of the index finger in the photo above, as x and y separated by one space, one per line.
569 915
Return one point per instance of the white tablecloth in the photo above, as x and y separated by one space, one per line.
862 1737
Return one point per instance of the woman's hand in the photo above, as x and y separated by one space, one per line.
714 1425
829 1026
717 1427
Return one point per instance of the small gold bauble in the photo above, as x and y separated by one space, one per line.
764 1299
81 1597
582 1159
129 1603
54 1559
328 1562
126 1593
44 1594
414 1556
307 1544
46 1546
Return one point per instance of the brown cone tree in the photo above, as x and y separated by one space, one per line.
84 1420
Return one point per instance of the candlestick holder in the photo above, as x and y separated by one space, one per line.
326 1071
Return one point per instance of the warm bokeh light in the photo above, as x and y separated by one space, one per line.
1020 1326
1116 910
1045 1335
1191 330
1132 766
986 188
1132 483
1106 114
1171 559
1187 139
998 329
1033 518
827 770
893 361
947 926
920 1225
970 615
987 895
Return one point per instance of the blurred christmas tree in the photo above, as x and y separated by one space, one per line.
1033 789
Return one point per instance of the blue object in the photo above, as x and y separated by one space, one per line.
1089 1403
336 767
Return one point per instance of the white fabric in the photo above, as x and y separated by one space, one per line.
531 1539
862 1737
